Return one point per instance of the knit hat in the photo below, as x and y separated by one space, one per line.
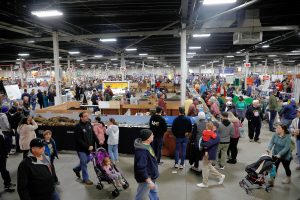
36 142
4 109
145 134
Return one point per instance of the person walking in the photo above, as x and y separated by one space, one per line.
273 107
145 167
181 129
45 99
241 109
295 130
234 139
113 140
33 97
281 145
85 139
210 156
254 117
40 98
35 179
158 126
26 130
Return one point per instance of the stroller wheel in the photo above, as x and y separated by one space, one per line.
99 186
125 186
115 193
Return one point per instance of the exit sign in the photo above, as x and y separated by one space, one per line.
248 65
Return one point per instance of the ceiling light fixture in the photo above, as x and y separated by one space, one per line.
143 54
82 64
108 40
194 47
201 35
114 59
266 46
229 56
23 54
30 41
272 55
238 52
79 60
131 49
74 52
214 2
47 13
191 53
98 56
296 51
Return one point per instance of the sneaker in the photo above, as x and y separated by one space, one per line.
202 185
258 141
251 140
176 166
77 173
231 161
222 167
287 180
88 182
221 180
181 166
195 169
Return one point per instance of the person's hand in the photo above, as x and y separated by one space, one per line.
91 148
151 185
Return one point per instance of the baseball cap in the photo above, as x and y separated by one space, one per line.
36 142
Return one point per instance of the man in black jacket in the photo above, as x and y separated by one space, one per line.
85 141
254 116
158 126
181 129
4 173
40 98
35 175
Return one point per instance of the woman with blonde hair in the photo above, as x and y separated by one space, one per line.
232 149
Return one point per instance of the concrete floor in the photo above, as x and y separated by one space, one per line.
179 186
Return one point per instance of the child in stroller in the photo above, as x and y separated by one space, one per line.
257 174
107 171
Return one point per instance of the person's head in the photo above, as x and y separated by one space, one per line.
195 101
25 90
146 136
224 115
32 91
209 126
201 115
94 91
255 103
98 119
84 116
19 109
158 110
112 121
39 90
106 161
45 92
37 147
241 98
47 134
181 111
282 129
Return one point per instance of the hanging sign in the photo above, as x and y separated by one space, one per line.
247 65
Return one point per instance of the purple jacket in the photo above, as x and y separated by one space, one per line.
212 147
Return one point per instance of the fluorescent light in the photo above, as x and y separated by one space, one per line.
296 51
291 61
143 54
272 55
150 57
74 52
266 46
20 59
82 64
114 59
194 47
191 53
23 54
131 49
79 60
30 41
59 57
201 35
98 56
47 13
238 52
229 56
214 2
115 64
48 62
108 40
276 60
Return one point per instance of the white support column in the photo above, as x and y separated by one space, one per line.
247 70
21 74
56 68
266 66
274 70
69 63
223 67
123 66
212 68
183 65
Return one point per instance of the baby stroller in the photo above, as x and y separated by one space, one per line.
98 157
257 174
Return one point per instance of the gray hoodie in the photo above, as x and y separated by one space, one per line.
113 134
4 124
138 144
226 131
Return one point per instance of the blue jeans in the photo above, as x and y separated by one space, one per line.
157 146
298 149
84 160
180 143
143 191
273 114
113 152
33 105
55 196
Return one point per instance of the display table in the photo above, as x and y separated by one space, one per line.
64 108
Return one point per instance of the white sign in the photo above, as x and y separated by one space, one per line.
248 65
13 92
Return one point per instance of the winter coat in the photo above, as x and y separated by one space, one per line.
273 104
289 111
212 147
236 126
47 150
4 124
158 125
84 137
113 134
27 133
145 164
35 179
250 115
281 146
99 130
181 126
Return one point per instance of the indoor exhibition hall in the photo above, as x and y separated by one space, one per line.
150 99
